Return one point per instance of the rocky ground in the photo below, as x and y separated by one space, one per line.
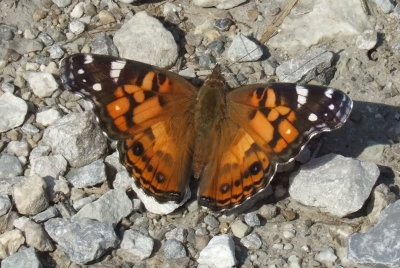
66 201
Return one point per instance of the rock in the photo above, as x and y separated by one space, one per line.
386 5
110 208
219 253
103 44
396 11
48 166
80 203
10 242
6 185
239 228
243 49
6 32
25 258
367 40
295 262
305 67
326 256
83 240
223 24
30 196
127 1
76 27
56 52
252 219
25 46
36 237
48 117
18 148
325 20
77 137
5 204
89 175
379 246
77 11
380 199
62 3
29 129
135 246
342 186
211 221
49 213
251 241
46 39
42 84
221 4
9 102
41 150
106 17
10 166
144 38
174 249
268 212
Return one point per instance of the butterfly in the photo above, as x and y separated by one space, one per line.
169 130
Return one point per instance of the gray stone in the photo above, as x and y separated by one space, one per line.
177 233
52 166
42 84
10 166
8 87
211 221
206 60
62 3
386 5
306 66
221 4
56 52
36 237
6 32
76 27
103 44
268 212
49 213
10 242
46 39
29 129
47 117
379 246
78 10
25 258
18 148
239 228
80 203
252 219
41 150
5 204
367 40
326 256
77 137
83 240
219 253
30 196
334 183
396 11
9 102
7 184
174 249
223 24
135 246
251 241
144 38
25 46
243 49
89 175
111 207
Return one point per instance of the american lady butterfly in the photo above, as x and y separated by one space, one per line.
168 129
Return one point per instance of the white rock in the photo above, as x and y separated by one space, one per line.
326 256
77 11
334 183
10 242
42 84
19 108
243 49
239 228
221 4
89 175
52 166
24 258
144 38
367 40
5 204
18 148
76 27
135 246
48 117
62 3
385 5
219 253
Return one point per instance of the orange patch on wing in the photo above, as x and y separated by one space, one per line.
119 92
273 115
147 83
288 131
262 126
130 89
271 99
165 87
280 145
120 123
283 110
139 96
146 110
291 117
254 99
118 107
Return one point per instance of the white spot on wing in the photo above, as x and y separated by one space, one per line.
115 73
88 59
302 91
331 106
97 87
301 99
118 65
81 71
312 117
328 93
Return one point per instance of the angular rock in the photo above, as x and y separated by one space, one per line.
219 253
386 5
135 246
306 66
5 204
18 148
326 256
243 49
10 166
367 40
42 84
103 44
49 213
48 117
251 241
336 184
6 185
110 208
10 242
9 102
62 3
252 219
77 137
30 196
89 175
379 246
36 237
144 38
239 228
25 258
49 166
174 249
76 27
83 240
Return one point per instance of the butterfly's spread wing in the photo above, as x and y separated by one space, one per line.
274 123
147 109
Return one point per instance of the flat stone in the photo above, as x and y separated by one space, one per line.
252 219
36 237
9 102
89 175
104 45
49 213
111 207
379 246
25 258
77 137
56 52
243 49
219 253
342 186
144 38
174 249
6 185
83 240
42 84
10 166
135 246
239 228
48 166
